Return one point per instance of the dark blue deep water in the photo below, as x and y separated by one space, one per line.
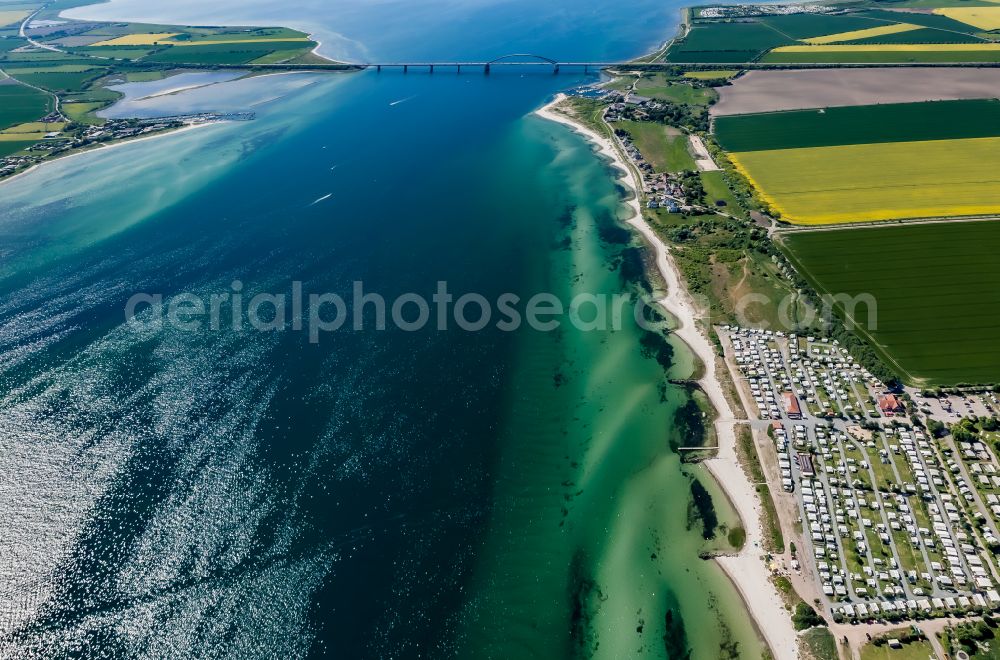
171 492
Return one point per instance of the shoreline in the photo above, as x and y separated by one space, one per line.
113 145
304 29
169 132
744 569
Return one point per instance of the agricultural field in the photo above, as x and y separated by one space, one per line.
884 53
12 16
81 57
937 289
865 163
934 21
10 147
141 39
863 35
984 18
726 42
863 182
184 45
866 33
769 91
811 26
867 124
20 104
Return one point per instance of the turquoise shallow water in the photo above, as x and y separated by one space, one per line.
237 493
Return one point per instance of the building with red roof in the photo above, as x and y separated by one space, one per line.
890 405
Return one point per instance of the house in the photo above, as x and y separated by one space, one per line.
792 408
890 405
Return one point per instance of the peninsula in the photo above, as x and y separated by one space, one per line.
57 74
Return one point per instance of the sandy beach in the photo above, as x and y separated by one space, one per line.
745 569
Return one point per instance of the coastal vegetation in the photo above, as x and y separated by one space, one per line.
747 453
978 639
723 261
819 644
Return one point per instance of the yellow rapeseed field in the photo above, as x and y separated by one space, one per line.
984 18
21 137
37 127
852 183
208 42
13 16
9 16
903 48
711 75
863 34
149 39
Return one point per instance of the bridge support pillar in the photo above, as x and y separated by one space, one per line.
432 68
406 68
555 69
458 69
486 69
378 68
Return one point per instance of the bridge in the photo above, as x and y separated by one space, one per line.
514 59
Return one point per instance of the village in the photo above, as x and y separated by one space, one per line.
674 192
891 522
110 131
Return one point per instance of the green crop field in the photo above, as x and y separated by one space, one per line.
726 42
921 36
62 82
7 147
712 56
20 104
719 41
8 44
114 52
53 68
236 53
927 20
937 288
865 124
881 57
804 26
